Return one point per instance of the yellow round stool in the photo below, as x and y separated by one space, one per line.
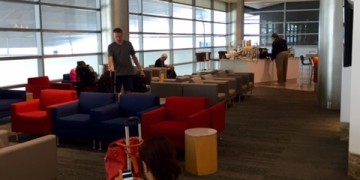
201 151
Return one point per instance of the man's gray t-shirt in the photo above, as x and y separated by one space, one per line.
121 57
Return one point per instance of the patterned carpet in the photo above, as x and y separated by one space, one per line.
275 134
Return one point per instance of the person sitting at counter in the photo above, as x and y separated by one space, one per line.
171 74
280 54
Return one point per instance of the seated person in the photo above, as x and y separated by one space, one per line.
105 82
171 74
86 77
157 159
73 77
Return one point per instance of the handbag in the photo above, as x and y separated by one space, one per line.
115 159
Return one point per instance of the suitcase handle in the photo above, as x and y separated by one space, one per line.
132 120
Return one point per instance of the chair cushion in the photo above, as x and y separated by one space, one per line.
244 86
208 77
43 80
232 92
179 108
221 96
6 103
182 79
169 128
75 120
50 97
196 80
90 100
113 123
34 117
130 105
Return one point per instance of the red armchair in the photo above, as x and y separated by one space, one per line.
218 116
36 84
34 116
178 114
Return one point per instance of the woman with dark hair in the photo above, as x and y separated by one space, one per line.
157 157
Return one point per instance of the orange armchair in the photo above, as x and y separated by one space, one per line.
34 116
36 84
178 114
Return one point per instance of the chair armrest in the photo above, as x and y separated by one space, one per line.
202 90
104 113
223 86
63 86
151 117
65 109
139 114
13 94
26 106
169 80
218 116
232 82
199 119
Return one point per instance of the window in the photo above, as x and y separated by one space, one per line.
70 43
11 18
183 56
179 27
154 42
156 25
56 67
203 27
203 14
183 41
78 3
66 30
156 7
297 22
220 41
134 23
219 28
182 26
69 19
182 11
18 43
220 16
28 68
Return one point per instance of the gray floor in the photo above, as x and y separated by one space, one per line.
274 134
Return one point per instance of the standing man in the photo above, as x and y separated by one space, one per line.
119 53
281 55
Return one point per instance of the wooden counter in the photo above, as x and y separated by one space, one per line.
265 70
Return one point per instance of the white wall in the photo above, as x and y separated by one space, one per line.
354 134
345 95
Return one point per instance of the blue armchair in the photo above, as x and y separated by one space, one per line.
8 97
75 119
109 120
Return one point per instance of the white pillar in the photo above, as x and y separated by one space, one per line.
354 102
239 33
330 53
114 13
120 16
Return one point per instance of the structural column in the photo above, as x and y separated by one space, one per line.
239 32
354 134
120 16
330 53
114 13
